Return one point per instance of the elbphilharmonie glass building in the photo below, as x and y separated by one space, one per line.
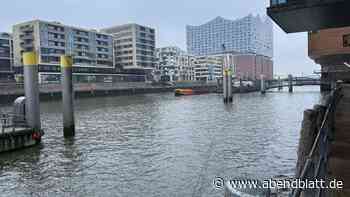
251 34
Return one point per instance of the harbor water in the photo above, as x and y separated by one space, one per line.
158 145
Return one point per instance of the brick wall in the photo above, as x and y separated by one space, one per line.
251 66
328 42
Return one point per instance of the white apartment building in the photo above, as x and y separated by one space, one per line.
174 64
251 34
92 51
134 46
6 56
208 68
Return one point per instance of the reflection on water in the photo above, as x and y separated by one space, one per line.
159 145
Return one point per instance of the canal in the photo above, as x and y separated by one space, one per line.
159 145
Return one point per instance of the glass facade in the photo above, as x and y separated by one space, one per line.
134 46
6 56
247 35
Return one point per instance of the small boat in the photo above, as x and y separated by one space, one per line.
187 92
14 130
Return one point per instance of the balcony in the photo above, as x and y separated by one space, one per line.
103 38
104 52
82 42
26 44
57 47
80 49
84 36
81 57
27 29
55 29
57 39
309 15
5 45
103 59
27 36
54 54
102 43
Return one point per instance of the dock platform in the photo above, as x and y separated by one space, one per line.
20 138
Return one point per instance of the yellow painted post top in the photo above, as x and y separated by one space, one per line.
66 61
229 72
30 59
226 72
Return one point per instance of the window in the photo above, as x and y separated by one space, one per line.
346 40
142 28
5 42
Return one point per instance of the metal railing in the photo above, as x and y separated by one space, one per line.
315 165
12 121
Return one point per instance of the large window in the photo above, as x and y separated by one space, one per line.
4 42
5 64
346 40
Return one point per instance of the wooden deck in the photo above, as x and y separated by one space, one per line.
339 160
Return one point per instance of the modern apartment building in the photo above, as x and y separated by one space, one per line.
186 69
134 46
251 34
6 56
174 64
92 51
208 68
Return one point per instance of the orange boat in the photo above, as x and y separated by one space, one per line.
187 92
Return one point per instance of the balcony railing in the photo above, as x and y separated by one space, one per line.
27 36
27 45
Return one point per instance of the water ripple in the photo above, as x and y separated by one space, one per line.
159 145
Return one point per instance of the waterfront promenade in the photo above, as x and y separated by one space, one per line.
10 92
16 89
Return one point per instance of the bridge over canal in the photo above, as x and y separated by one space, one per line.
289 82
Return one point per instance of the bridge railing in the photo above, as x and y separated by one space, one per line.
317 168
296 82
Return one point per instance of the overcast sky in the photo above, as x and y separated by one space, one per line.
169 17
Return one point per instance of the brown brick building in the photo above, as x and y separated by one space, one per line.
331 49
252 66
329 42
